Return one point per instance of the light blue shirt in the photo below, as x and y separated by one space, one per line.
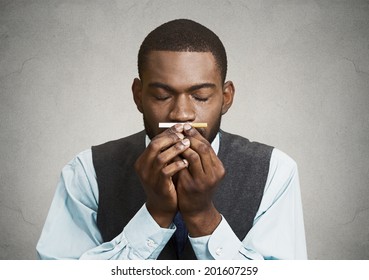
71 232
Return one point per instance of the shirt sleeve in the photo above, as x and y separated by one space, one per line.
278 228
71 232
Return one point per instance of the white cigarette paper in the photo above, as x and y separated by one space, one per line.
170 124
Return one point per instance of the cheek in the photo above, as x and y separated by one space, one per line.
209 112
152 111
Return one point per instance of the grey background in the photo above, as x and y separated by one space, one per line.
301 70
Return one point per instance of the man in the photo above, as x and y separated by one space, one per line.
181 192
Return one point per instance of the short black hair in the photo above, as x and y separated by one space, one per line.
183 35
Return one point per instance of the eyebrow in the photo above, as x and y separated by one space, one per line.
190 89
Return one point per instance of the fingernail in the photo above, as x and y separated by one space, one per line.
179 127
185 162
187 126
186 142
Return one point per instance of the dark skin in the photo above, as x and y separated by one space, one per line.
179 169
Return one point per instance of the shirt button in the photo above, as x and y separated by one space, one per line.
150 243
219 251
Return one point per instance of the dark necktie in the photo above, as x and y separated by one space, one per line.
180 234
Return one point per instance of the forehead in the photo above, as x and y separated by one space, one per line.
181 67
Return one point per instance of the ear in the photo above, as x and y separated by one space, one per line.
228 94
137 93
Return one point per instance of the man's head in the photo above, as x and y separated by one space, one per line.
183 35
182 68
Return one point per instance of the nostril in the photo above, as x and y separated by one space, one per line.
182 110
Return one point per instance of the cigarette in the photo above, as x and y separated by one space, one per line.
170 124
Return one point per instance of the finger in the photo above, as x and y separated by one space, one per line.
165 157
177 128
185 175
162 142
197 140
192 132
187 183
174 130
171 169
159 143
194 162
209 159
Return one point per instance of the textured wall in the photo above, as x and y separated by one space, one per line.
301 70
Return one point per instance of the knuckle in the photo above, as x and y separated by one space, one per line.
214 181
221 170
192 131
160 159
178 164
165 172
171 130
143 176
194 157
178 147
211 179
203 148
176 136
154 145
217 176
222 173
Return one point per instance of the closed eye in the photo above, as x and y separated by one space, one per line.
200 98
161 97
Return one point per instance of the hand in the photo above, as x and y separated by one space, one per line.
197 183
155 168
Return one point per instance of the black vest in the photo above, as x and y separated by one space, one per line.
237 197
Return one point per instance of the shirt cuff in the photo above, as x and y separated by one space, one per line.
200 247
223 244
145 236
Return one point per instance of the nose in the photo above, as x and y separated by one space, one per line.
182 109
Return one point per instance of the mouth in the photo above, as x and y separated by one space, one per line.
170 124
199 126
